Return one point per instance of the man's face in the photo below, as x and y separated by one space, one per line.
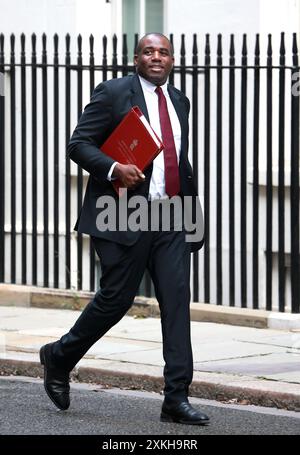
155 61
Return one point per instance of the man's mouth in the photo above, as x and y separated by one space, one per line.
156 68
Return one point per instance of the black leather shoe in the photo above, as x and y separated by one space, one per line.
56 381
183 413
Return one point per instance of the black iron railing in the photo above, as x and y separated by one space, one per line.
237 269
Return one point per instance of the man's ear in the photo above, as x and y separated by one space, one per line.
135 57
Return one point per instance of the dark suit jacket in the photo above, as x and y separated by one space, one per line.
110 102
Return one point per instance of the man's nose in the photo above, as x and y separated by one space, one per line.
156 55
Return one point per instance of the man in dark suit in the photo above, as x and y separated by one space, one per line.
125 255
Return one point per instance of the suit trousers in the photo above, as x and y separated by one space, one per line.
167 257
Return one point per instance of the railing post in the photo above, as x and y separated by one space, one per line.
104 58
231 173
34 185
182 65
124 56
171 76
115 57
79 169
255 202
45 162
207 171
23 161
243 198
67 165
269 224
281 191
295 253
92 85
195 155
92 65
219 153
56 167
136 40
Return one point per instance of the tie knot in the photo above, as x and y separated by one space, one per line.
158 90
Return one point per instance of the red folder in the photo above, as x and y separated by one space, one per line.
132 142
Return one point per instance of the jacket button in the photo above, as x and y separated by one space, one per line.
190 177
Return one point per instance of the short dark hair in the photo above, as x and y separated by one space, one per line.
139 44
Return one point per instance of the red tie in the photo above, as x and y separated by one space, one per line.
170 156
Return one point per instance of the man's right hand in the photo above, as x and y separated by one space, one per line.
129 174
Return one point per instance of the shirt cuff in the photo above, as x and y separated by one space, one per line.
109 175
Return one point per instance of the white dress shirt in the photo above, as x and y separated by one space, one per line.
157 183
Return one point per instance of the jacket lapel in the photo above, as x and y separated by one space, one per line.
181 113
137 98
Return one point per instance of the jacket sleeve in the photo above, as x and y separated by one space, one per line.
90 133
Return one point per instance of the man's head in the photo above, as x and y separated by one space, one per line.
154 58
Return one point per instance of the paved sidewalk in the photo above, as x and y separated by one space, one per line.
232 363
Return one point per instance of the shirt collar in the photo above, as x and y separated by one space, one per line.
146 85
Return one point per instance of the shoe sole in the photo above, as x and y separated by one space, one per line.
44 363
169 419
